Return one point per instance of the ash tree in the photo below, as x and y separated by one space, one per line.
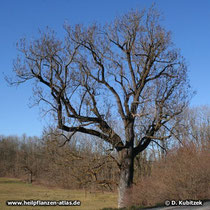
127 73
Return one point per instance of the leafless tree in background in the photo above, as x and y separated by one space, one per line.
195 126
127 72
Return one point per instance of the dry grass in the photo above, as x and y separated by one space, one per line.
14 189
185 174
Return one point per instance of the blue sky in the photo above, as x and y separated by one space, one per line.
189 21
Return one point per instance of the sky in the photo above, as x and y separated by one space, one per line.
189 21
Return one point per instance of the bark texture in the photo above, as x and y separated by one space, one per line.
126 176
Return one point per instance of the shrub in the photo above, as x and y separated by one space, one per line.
183 174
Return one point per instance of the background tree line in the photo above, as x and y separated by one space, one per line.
49 162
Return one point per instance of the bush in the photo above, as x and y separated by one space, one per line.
184 174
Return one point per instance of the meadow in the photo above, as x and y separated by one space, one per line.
15 189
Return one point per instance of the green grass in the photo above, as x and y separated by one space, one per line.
14 189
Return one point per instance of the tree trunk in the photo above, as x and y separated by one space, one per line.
126 176
30 177
126 157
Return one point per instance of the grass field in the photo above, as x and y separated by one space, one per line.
14 189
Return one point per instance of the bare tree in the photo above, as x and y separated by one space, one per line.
194 126
30 157
123 73
8 155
